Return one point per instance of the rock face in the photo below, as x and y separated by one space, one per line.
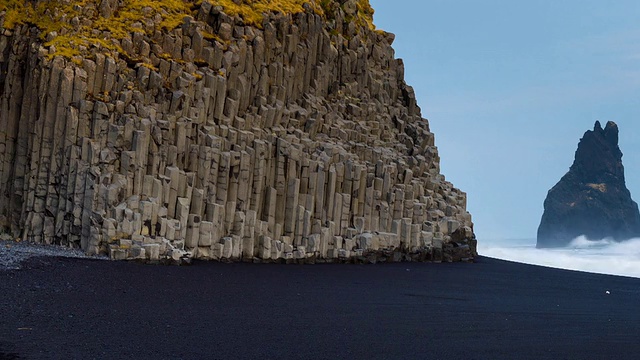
218 139
592 198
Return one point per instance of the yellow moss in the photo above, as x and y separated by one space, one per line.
55 17
149 66
364 15
252 11
15 11
133 11
212 37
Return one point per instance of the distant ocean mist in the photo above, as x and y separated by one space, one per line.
596 256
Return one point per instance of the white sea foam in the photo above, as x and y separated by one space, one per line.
598 256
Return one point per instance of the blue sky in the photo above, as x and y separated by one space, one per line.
509 87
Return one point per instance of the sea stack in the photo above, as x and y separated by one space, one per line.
278 131
592 198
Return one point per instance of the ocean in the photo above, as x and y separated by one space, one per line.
596 256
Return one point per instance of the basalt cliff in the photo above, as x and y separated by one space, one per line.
592 199
226 130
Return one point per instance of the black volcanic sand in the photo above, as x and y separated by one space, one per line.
85 309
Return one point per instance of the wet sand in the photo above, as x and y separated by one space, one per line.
84 309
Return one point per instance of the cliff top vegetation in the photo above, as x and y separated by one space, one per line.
69 26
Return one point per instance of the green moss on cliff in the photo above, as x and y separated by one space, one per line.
69 26
365 14
14 12
252 12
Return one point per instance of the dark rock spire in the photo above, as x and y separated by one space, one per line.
592 198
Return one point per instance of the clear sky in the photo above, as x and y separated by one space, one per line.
509 88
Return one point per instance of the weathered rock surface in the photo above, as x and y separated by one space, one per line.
297 140
592 198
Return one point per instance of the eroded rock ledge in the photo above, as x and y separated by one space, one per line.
298 139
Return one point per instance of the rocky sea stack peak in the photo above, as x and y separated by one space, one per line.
592 198
228 130
598 157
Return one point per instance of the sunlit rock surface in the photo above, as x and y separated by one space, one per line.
295 138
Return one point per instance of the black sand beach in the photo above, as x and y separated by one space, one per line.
82 309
